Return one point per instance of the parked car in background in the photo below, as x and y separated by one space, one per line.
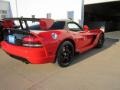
40 40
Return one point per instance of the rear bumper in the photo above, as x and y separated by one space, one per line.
33 55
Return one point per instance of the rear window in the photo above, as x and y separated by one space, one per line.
31 25
34 25
58 25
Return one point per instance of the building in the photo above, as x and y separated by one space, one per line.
56 9
102 13
5 9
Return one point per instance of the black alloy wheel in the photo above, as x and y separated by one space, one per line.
65 54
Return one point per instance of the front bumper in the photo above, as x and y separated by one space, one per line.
33 55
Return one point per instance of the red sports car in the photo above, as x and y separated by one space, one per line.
42 40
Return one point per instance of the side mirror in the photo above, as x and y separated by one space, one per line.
86 28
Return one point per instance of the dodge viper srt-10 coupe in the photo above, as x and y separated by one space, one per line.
40 40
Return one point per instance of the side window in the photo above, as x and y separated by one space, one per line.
74 27
58 25
35 27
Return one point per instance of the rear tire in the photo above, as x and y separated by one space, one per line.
100 41
65 54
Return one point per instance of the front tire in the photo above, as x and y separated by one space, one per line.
65 54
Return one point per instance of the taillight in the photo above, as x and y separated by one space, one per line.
31 41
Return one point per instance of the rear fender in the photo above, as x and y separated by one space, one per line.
61 42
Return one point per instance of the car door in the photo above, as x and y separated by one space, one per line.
90 35
78 34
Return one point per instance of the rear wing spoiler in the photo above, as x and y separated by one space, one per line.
44 22
9 22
